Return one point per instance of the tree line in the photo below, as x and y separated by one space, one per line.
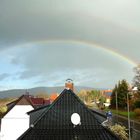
89 96
122 89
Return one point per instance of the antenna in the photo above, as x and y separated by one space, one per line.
26 92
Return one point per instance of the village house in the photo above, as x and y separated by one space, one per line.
16 120
107 95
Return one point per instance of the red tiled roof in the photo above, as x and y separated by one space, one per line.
53 96
47 102
34 102
37 101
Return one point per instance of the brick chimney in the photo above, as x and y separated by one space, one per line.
69 84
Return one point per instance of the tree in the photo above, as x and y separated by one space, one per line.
95 94
136 83
82 95
113 97
3 109
121 90
136 79
137 104
89 96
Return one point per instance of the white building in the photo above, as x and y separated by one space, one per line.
15 122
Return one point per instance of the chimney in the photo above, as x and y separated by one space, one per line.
27 93
69 84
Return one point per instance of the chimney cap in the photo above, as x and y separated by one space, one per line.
69 80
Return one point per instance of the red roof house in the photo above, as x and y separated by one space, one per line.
16 116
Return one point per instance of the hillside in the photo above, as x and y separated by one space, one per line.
33 91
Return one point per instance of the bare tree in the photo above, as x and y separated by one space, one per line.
136 79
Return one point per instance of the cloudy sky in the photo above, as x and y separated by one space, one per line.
42 43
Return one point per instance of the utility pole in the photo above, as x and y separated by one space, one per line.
116 93
128 110
134 89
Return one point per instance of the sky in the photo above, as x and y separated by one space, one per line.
42 43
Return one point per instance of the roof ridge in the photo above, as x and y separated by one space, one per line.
82 103
16 101
59 97
11 102
29 100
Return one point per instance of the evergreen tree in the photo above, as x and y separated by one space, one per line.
113 97
121 90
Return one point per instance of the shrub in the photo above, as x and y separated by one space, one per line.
137 111
3 109
119 131
137 104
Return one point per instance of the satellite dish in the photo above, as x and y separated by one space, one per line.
75 118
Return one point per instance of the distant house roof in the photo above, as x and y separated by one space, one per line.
47 101
37 101
54 122
27 100
53 96
22 100
107 92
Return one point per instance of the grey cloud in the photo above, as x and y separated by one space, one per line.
61 55
27 74
3 76
80 77
28 22
92 77
55 62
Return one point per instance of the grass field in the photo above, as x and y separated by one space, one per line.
123 113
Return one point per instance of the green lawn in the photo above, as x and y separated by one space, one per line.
123 113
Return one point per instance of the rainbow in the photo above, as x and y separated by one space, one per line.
90 44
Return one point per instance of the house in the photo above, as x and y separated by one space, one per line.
107 95
37 102
56 122
16 120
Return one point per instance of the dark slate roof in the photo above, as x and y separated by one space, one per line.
36 113
55 122
38 109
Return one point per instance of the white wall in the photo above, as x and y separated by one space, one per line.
15 122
